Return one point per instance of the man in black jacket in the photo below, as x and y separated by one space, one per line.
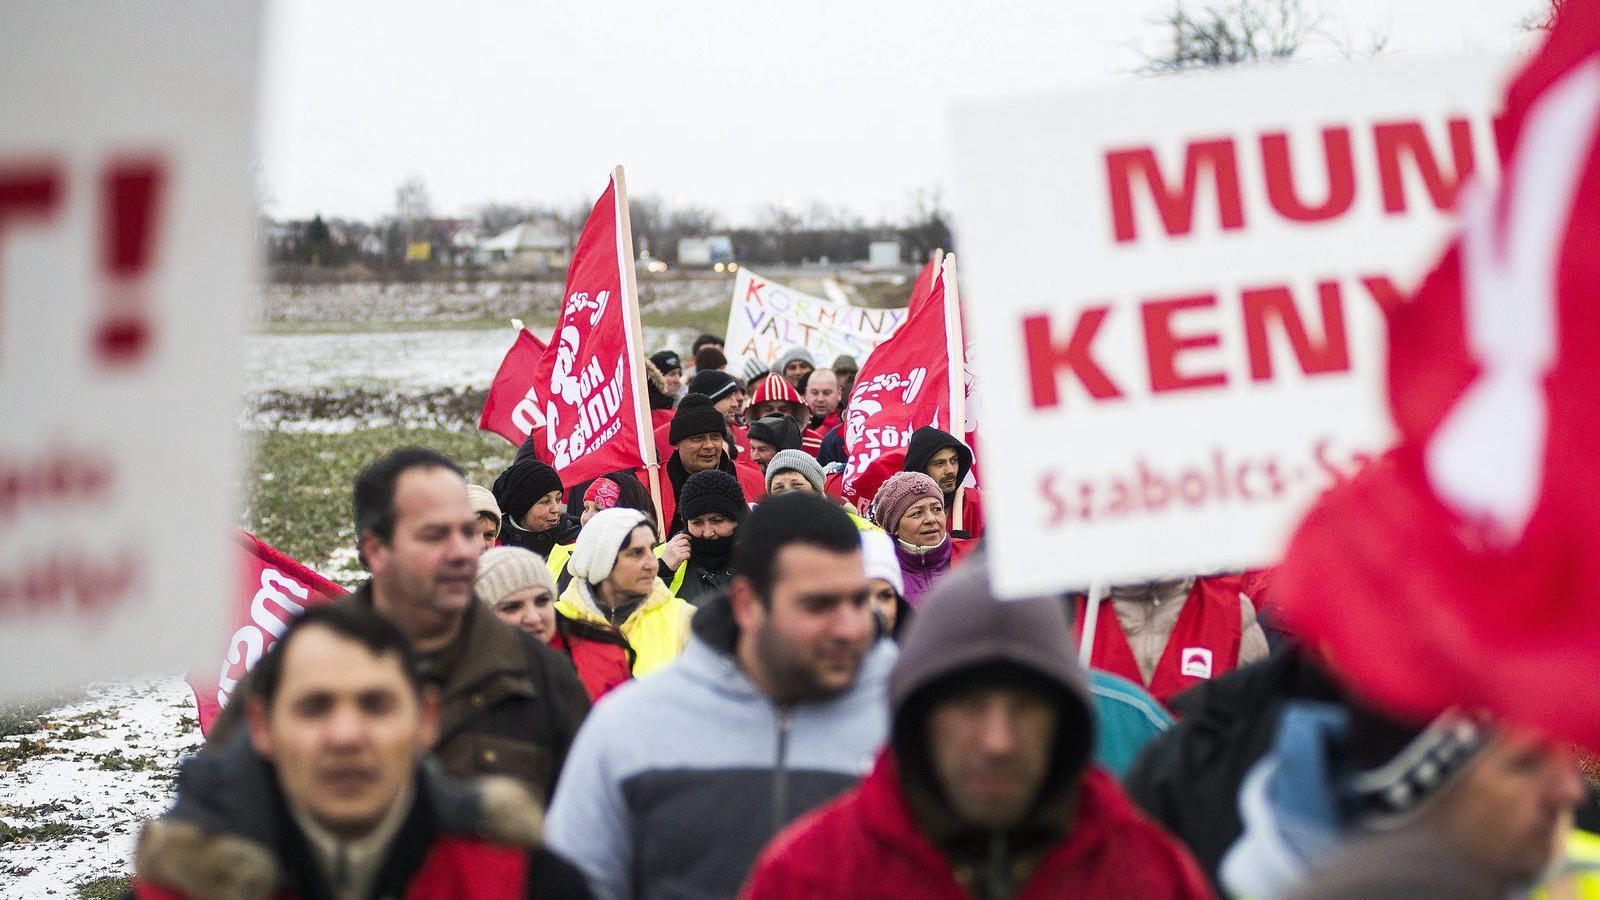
325 796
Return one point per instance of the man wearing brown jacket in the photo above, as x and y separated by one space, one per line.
509 705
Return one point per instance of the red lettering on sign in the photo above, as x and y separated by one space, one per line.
1163 345
1388 297
1263 305
1176 208
1046 358
1396 139
29 193
132 194
1341 176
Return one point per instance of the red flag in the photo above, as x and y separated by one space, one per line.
594 405
1464 567
907 383
922 288
514 409
275 589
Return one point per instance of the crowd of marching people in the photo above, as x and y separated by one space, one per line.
722 679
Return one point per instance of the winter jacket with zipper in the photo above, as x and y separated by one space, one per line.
229 836
677 781
867 845
897 835
657 629
921 570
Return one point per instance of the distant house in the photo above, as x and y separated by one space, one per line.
711 251
532 244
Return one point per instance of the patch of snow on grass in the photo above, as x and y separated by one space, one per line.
95 771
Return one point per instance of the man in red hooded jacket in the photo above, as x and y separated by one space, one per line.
985 789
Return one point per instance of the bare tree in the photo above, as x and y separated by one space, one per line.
494 218
1247 31
413 209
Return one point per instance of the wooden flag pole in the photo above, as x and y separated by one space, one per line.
956 355
1091 620
635 335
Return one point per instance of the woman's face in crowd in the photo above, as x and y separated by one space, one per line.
711 525
882 596
590 508
544 513
923 523
533 610
488 530
784 482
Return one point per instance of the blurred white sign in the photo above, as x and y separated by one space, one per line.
126 249
1181 285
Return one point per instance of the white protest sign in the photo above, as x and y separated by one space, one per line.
126 251
1182 282
768 318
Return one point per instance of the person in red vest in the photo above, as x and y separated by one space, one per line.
519 586
986 787
1173 634
326 795
699 440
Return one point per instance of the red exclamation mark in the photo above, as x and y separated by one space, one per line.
132 193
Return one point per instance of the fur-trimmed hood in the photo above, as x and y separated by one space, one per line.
222 839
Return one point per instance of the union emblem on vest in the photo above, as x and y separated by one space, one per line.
1196 662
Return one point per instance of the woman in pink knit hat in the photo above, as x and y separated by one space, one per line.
910 507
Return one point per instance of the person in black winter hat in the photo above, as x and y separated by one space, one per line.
671 369
712 505
723 389
771 435
530 495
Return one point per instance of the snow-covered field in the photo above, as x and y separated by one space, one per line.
85 778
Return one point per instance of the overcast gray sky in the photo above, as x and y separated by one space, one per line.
726 105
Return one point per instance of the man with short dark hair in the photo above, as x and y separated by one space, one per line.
326 795
986 788
509 704
679 779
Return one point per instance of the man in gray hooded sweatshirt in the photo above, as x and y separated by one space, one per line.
677 781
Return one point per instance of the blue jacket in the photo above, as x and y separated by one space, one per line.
676 782
1127 719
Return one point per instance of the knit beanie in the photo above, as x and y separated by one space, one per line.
774 388
877 556
502 571
482 500
695 415
898 494
846 364
796 461
595 554
779 431
712 491
521 485
789 356
666 361
712 383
